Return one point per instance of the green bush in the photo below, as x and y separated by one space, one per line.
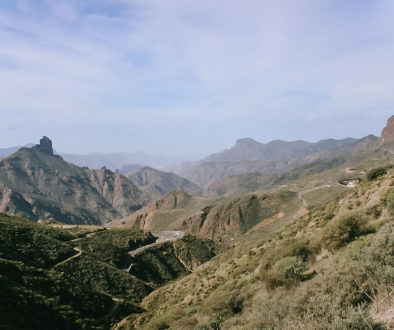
375 173
291 267
390 201
300 248
343 231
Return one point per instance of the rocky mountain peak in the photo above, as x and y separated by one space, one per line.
245 142
388 131
45 146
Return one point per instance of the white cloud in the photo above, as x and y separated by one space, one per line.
194 62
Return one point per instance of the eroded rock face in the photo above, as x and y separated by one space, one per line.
40 186
45 146
388 131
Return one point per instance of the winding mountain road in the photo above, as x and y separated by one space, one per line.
67 260
162 236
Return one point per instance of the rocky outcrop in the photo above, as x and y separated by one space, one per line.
45 146
39 185
388 131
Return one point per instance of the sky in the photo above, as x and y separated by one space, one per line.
188 78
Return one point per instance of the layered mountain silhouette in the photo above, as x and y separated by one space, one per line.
249 149
158 183
119 160
276 157
37 184
4 152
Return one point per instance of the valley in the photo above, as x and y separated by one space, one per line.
288 235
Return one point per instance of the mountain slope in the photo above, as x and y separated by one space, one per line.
158 183
274 158
40 185
218 218
166 213
68 277
332 266
4 152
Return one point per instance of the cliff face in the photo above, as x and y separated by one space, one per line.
388 131
39 185
239 214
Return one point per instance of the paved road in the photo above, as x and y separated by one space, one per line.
163 236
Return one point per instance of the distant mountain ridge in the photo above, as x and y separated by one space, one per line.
158 183
4 152
251 150
125 162
118 160
37 184
276 157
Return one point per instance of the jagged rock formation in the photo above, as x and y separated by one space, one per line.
37 184
158 183
388 131
45 146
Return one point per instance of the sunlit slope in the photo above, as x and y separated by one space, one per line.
333 265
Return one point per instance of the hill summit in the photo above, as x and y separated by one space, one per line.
388 131
45 146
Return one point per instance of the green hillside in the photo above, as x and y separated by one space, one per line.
71 277
333 267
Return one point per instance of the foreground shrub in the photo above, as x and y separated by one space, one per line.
375 173
343 231
390 201
291 267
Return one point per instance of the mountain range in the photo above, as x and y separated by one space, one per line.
304 240
125 162
249 156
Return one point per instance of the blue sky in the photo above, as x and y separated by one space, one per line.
187 78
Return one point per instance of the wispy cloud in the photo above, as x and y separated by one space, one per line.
150 67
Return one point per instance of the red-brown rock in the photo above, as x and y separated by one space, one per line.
388 131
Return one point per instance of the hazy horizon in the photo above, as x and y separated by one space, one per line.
187 79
